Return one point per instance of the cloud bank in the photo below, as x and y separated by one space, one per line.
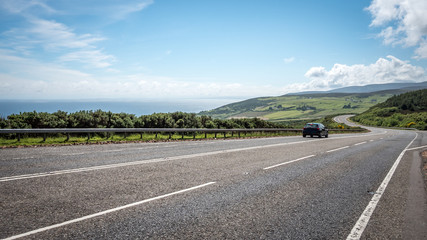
404 23
383 70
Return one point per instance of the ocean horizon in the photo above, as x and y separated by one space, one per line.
137 107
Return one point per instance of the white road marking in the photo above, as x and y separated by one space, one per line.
116 150
284 163
415 148
73 154
371 140
337 149
85 169
359 143
21 158
77 170
361 224
106 212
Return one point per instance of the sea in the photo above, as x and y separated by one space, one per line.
137 107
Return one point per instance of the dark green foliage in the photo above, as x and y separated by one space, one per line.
411 101
101 119
405 110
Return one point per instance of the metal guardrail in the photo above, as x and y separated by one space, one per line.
169 131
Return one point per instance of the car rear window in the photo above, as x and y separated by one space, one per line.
311 125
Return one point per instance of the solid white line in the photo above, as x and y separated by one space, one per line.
415 148
77 170
359 143
116 150
22 158
156 160
337 149
361 224
73 154
106 212
280 164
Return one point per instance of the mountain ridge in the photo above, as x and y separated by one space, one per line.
313 105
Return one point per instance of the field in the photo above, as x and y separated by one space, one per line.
285 108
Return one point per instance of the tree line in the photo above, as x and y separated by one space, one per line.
102 119
415 101
405 110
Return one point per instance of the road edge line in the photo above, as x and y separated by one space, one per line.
362 222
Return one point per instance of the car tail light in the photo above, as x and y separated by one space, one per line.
318 129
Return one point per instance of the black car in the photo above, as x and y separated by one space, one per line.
317 129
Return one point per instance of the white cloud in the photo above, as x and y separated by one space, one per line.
57 38
383 70
93 57
25 78
122 11
21 6
405 23
289 60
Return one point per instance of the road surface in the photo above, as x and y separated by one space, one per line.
269 188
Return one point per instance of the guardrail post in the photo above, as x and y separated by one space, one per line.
182 135
44 137
170 135
194 135
19 137
215 135
156 136
206 135
68 137
225 133
88 137
141 135
239 134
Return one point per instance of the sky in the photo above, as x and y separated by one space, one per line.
192 49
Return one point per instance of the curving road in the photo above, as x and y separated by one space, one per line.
355 186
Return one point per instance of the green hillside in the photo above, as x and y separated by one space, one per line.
291 107
405 110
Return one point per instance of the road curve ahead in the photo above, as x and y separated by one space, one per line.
271 188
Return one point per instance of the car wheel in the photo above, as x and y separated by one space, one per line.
311 135
303 135
326 136
320 135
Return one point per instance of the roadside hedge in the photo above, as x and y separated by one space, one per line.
102 119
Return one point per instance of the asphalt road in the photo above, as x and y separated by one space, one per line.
271 188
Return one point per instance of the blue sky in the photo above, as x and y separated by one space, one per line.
157 49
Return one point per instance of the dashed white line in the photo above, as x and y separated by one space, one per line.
106 212
371 140
361 224
359 143
337 149
284 163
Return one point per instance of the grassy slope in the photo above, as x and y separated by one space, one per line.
286 108
405 110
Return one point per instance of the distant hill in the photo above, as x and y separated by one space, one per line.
410 86
314 104
404 110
